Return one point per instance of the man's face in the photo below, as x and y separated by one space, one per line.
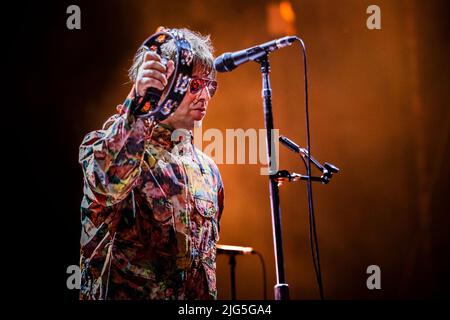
194 105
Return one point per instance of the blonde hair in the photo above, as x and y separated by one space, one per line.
202 48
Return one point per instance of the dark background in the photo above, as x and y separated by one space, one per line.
379 110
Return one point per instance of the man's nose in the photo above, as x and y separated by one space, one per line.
204 93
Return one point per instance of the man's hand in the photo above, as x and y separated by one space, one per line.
153 73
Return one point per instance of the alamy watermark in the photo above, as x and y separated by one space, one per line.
374 280
74 19
374 20
74 279
237 146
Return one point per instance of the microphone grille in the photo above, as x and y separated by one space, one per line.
224 63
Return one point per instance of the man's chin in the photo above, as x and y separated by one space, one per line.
198 115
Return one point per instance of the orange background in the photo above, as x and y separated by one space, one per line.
378 109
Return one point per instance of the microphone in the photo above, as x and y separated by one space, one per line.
231 60
290 144
327 168
226 249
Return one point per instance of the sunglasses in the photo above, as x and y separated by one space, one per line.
197 84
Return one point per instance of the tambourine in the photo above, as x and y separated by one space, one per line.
153 105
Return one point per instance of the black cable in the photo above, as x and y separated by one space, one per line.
263 264
312 223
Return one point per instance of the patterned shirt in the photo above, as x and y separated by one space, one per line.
150 213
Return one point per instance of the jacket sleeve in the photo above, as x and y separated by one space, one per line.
111 157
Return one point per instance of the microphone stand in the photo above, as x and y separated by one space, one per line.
232 263
281 288
277 177
232 252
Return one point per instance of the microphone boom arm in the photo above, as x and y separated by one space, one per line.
327 169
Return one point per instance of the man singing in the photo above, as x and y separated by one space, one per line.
152 202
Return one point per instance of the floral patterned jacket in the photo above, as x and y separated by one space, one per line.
150 213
